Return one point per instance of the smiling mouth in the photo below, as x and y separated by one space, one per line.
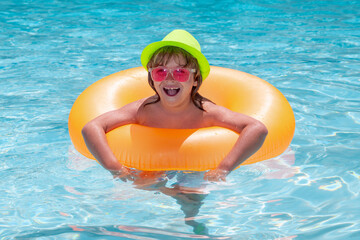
171 91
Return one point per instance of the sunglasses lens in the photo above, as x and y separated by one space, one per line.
158 74
181 74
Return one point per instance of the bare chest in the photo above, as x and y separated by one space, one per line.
154 117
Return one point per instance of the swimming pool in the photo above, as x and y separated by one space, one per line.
52 50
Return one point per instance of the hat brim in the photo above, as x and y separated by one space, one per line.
151 49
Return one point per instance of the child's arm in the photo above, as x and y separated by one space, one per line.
252 135
95 138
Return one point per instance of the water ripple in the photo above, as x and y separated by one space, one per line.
52 50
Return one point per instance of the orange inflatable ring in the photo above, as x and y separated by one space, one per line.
154 149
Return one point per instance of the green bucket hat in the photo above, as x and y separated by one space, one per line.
178 38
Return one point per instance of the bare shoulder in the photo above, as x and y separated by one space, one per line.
221 116
147 100
217 112
129 109
128 114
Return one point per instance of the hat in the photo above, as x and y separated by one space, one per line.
182 39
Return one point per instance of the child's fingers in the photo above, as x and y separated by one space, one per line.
124 175
125 178
216 175
130 177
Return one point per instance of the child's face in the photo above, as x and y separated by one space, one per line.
174 93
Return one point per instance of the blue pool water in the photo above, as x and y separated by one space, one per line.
50 51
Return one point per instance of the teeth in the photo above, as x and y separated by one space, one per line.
171 91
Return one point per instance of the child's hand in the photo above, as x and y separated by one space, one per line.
124 174
216 175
